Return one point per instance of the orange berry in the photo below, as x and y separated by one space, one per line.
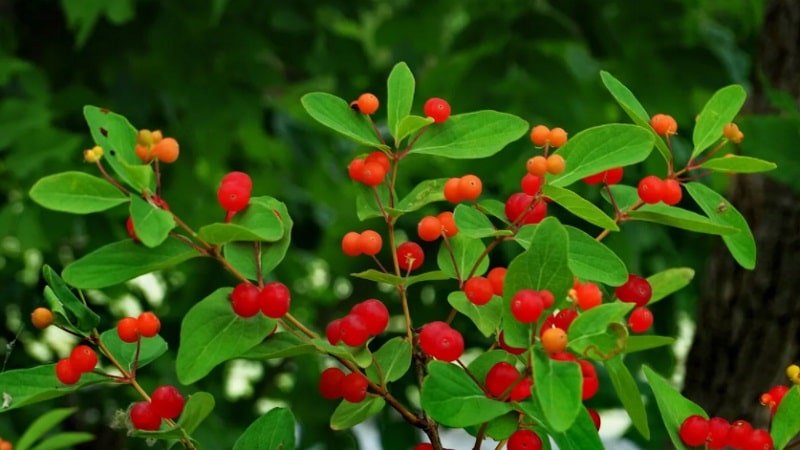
470 187
370 242
664 124
732 133
128 329
351 243
557 137
588 295
148 323
5 445
368 103
167 150
380 158
539 135
497 276
448 223
556 164
157 136
41 318
373 173
144 153
554 340
452 191
537 165
429 228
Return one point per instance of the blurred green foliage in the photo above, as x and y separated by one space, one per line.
225 79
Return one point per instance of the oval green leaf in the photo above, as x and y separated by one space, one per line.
680 218
646 342
393 358
674 407
580 207
23 387
485 317
125 353
336 114
669 281
557 388
466 252
258 222
590 259
348 415
739 164
275 429
76 193
720 110
85 318
279 345
151 224
426 192
473 223
409 125
42 425
786 422
472 135
400 96
117 136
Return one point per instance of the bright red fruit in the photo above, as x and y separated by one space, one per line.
641 319
353 330
497 277
372 174
478 290
588 295
595 418
233 197
330 383
239 178
521 391
83 358
651 189
636 290
437 109
410 256
527 306
167 402
148 324
144 418
128 329
759 440
354 387
274 299
739 434
524 440
333 332
672 192
718 429
374 313
694 430
518 203
244 300
531 184
440 341
500 377
66 372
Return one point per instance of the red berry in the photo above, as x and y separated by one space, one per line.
524 440
591 384
694 430
128 329
429 334
518 203
354 387
244 300
588 295
239 178
353 330
330 383
595 179
672 192
448 223
437 109
527 306
370 242
380 158
131 231
564 318
423 446
478 290
167 402
148 324
274 299
233 197
500 377
374 313
664 124
595 418
441 342
521 391
651 189
759 440
83 358
144 418
452 190
548 299
351 243
372 174
333 332
410 256
531 184
513 350
355 168
429 228
368 103
739 434
636 290
497 276
613 176
718 432
66 372
641 319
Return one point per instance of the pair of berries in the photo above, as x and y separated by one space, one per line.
440 341
166 402
368 242
528 305
366 319
652 189
503 380
637 290
82 359
793 373
130 329
539 165
716 433
370 170
152 145
479 290
541 136
41 318
335 384
468 187
524 440
664 125
609 177
431 228
93 154
234 192
273 300
524 208
772 399
732 133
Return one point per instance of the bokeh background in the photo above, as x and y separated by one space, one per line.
225 78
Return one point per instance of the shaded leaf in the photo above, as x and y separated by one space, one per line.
348 415
394 359
273 430
590 259
85 318
400 97
679 218
151 224
557 388
669 281
628 393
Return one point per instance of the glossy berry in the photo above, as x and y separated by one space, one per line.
590 384
521 390
470 187
694 430
66 372
557 137
355 168
167 402
672 192
524 440
437 109
333 332
518 203
478 290
651 189
497 277
539 135
380 158
244 300
410 256
448 223
375 315
440 341
274 299
330 383
452 190
613 176
351 243
372 173
144 418
513 350
527 306
500 378
739 434
429 334
759 440
554 340
233 197
718 429
537 166
240 178
636 290
130 229
595 418
83 358
429 228
41 318
772 399
128 329
531 184
664 124
370 242
732 133
167 150
368 103
588 295
641 319
564 318
148 324
354 387
353 330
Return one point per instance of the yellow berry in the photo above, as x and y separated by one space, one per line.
793 371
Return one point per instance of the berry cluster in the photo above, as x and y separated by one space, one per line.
151 145
130 329
718 433
41 318
440 341
542 136
335 384
431 228
637 290
370 170
468 187
166 402
524 209
586 295
652 189
234 192
82 359
273 299
366 319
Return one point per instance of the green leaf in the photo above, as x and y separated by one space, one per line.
367 205
453 399
117 136
628 394
211 333
85 318
595 333
646 342
601 148
76 193
151 224
499 428
720 211
739 164
409 125
198 407
786 422
42 425
494 208
121 261
394 280
582 435
590 259
424 193
674 407
485 317
679 218
400 97
633 109
466 252
279 345
472 135
474 224
580 207
67 439
258 222
336 114
274 430
241 255
557 388
624 196
61 317
37 384
394 359
544 265
720 110
348 415
125 353
669 281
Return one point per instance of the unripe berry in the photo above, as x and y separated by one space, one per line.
478 290
537 165
664 124
555 164
167 402
167 150
128 329
410 256
437 109
66 372
41 318
448 223
355 168
354 387
588 295
380 158
452 190
539 135
148 324
554 340
732 133
368 103
470 187
557 137
144 418
351 244
144 153
330 383
372 173
274 300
